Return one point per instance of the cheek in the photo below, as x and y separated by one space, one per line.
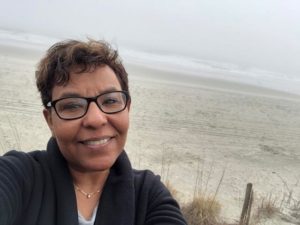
124 123
64 130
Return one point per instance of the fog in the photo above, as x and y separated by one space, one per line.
262 34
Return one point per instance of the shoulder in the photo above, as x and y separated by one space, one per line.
20 163
18 171
154 201
23 157
147 180
22 171
148 184
144 176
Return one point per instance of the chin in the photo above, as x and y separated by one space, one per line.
100 165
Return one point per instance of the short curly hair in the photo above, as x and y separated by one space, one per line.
64 57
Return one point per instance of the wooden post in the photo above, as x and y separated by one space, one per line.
245 216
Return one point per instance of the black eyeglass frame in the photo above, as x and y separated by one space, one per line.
51 104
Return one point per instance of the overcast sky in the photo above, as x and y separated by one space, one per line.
251 33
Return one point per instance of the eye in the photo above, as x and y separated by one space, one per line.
70 105
110 101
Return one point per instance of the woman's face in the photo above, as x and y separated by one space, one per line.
93 142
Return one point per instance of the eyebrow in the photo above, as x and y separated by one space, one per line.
69 95
75 94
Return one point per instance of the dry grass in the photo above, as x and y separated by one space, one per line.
295 208
268 207
203 210
172 190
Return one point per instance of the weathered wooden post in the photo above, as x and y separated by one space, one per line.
246 211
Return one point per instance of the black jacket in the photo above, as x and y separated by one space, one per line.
36 189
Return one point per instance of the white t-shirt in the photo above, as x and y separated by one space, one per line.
83 221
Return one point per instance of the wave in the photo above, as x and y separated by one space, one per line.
26 40
216 70
180 64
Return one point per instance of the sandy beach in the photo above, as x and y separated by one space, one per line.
182 127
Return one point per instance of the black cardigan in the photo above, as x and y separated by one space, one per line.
36 189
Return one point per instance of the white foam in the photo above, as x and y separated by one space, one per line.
26 40
217 70
184 65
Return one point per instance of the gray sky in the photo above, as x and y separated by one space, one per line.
251 33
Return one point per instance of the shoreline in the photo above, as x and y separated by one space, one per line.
137 72
22 52
160 75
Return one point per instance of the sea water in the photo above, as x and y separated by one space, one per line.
173 63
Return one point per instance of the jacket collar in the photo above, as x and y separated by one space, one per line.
66 207
116 205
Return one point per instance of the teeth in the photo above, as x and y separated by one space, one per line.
97 142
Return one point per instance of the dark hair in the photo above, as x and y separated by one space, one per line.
76 56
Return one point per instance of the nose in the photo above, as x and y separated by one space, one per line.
94 117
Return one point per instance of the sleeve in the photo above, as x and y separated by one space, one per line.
15 175
159 206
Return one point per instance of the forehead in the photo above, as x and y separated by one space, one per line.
88 84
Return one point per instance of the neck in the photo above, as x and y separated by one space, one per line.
89 181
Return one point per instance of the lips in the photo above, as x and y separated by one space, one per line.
96 141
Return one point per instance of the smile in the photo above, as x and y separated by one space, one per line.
96 142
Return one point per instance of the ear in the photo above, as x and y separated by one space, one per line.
48 118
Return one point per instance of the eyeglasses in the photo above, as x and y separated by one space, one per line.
71 108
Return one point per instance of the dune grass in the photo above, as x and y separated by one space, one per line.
202 210
205 209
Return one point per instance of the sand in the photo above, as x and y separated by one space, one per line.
182 128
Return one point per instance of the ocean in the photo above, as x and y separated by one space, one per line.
173 63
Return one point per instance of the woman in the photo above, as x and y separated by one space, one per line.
84 176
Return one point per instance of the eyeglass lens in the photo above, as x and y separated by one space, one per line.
75 107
